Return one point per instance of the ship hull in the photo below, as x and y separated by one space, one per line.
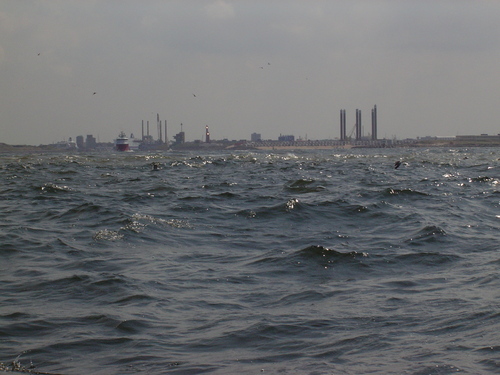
122 147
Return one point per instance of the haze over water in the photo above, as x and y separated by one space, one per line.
307 262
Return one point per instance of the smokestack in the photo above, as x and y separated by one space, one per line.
158 127
341 133
142 130
374 123
344 125
358 124
343 136
166 138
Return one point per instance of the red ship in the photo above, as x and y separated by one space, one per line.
121 143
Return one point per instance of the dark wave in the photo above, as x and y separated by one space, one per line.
82 210
403 192
291 205
428 234
303 186
31 328
313 258
320 252
133 326
426 258
51 188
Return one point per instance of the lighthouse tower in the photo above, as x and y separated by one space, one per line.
207 135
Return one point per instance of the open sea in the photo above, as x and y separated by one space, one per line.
262 262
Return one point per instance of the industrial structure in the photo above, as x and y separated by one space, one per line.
358 126
180 137
147 141
359 129
343 136
374 123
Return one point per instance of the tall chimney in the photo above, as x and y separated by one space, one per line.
358 124
343 136
374 123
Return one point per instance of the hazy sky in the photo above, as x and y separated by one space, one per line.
273 67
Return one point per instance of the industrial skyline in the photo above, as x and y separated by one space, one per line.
356 134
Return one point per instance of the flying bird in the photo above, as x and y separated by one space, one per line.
397 164
94 93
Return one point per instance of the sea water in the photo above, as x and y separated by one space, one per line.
251 262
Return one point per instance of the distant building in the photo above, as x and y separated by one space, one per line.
90 142
478 138
255 137
286 138
180 138
80 142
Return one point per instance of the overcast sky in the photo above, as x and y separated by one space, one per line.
273 67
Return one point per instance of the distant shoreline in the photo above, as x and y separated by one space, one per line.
188 146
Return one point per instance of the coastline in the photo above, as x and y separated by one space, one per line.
188 146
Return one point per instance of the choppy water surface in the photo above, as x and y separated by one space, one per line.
306 262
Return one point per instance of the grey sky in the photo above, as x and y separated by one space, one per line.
271 67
